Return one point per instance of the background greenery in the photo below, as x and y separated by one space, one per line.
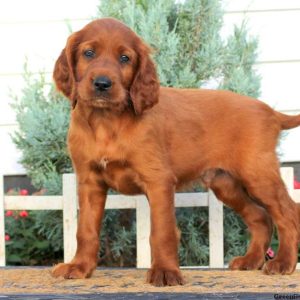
189 52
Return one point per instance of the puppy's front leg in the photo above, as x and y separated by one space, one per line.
164 237
92 199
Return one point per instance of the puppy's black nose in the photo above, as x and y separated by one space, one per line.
102 83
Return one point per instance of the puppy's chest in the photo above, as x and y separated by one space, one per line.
113 165
109 150
119 176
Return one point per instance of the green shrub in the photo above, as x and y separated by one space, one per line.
32 238
43 119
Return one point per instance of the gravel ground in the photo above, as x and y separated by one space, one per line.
37 283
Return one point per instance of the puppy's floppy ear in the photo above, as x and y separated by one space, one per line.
64 70
144 90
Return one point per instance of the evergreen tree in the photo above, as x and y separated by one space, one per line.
43 120
189 52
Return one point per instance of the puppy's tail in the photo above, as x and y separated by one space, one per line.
288 122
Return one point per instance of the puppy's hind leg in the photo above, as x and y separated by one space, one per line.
231 193
266 185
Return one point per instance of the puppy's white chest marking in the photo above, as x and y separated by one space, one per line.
103 162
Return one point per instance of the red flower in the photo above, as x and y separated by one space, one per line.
7 237
9 213
23 192
296 184
23 214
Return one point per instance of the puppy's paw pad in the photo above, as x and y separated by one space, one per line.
160 277
246 262
276 266
71 271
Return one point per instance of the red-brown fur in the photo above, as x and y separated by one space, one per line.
138 137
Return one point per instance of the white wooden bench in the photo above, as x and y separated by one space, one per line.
68 204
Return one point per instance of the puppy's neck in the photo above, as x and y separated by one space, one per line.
86 111
108 120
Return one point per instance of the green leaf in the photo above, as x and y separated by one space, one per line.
14 258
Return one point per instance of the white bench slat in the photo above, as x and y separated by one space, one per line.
69 216
216 237
191 199
143 224
33 202
2 224
296 196
122 202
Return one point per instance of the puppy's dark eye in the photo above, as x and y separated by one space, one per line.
89 53
124 59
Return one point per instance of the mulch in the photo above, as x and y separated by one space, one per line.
37 283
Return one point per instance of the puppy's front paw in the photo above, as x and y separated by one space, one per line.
161 277
72 271
247 262
277 266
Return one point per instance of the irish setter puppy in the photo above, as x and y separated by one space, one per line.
130 134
